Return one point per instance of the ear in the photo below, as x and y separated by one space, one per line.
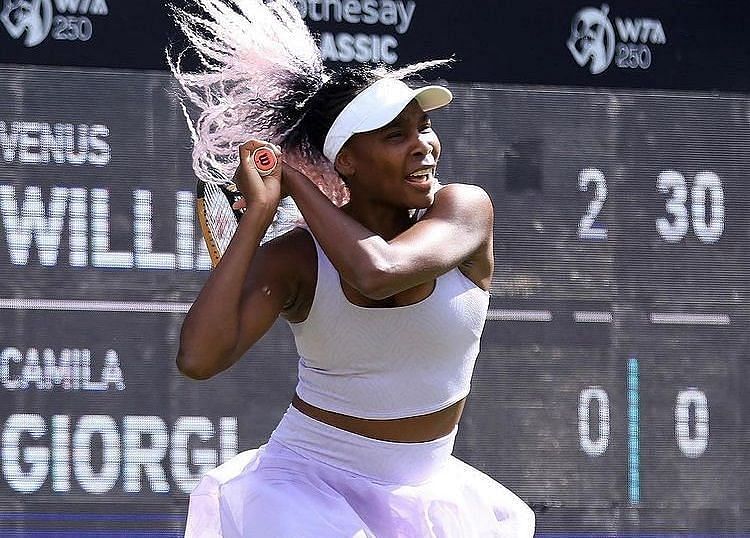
344 163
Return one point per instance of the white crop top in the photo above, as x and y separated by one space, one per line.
385 363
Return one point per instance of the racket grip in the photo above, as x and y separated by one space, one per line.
265 160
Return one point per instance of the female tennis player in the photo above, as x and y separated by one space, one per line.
386 295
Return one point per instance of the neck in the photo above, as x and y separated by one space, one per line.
385 220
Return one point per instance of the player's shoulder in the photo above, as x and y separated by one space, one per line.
292 252
296 260
463 199
297 236
463 193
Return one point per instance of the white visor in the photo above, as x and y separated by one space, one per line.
376 106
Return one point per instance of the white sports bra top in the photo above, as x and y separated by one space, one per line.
386 363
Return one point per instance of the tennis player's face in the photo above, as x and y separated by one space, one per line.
396 163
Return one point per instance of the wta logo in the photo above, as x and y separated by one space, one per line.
35 20
593 41
30 17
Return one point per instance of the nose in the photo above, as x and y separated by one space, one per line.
424 145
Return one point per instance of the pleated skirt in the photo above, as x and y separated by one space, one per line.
314 480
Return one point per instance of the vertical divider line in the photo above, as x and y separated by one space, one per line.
634 461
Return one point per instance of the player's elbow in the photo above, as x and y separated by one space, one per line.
376 281
199 358
191 366
203 352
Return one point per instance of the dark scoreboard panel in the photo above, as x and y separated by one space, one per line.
627 44
620 347
610 390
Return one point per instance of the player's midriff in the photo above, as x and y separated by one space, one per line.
401 430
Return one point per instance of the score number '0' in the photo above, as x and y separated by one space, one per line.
706 197
690 421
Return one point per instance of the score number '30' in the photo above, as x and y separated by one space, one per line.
706 198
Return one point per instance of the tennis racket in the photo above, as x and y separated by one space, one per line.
219 219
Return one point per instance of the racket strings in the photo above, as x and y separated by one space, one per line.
220 217
221 220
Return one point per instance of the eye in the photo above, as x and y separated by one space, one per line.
392 135
425 124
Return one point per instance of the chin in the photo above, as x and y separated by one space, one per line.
420 200
425 203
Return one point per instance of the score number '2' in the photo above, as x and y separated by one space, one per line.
706 194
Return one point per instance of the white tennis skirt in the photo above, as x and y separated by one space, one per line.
314 480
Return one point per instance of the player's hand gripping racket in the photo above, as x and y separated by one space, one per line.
218 215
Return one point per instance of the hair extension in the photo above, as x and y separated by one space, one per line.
261 75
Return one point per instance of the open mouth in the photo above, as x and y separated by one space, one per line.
421 176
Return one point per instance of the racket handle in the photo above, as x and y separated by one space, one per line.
265 160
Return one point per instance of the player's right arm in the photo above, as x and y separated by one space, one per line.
246 291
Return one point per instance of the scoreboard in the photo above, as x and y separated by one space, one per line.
610 389
617 347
